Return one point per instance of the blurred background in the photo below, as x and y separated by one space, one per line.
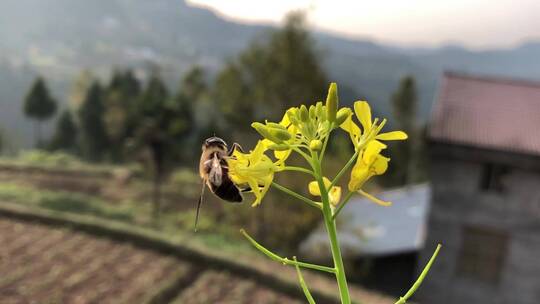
104 105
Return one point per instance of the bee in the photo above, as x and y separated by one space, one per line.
214 172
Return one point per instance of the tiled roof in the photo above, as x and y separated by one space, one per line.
493 113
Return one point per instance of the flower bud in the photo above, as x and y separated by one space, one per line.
319 109
279 147
315 145
312 113
293 118
332 102
325 126
259 127
304 115
279 135
276 126
342 115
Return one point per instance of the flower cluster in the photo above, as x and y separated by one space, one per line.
306 130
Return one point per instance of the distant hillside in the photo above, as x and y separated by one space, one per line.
59 38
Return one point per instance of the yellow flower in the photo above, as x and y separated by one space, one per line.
370 163
334 194
255 169
369 128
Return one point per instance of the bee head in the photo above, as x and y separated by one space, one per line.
215 141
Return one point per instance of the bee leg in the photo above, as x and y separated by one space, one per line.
235 146
248 188
199 205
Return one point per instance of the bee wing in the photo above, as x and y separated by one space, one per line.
215 175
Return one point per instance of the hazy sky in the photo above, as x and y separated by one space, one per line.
473 23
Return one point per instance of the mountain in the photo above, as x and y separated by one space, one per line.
60 38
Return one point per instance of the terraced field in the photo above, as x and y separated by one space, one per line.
43 264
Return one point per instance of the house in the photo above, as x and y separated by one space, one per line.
381 243
484 140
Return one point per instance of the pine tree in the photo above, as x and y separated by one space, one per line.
39 105
65 136
404 102
1 141
271 76
91 117
120 101
153 132
78 90
193 95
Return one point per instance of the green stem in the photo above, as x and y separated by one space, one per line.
343 203
345 168
303 284
297 195
304 155
332 233
298 169
403 300
321 156
285 261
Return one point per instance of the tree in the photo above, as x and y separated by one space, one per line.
77 92
39 105
404 102
193 85
232 95
1 141
65 136
277 71
271 75
120 102
154 132
91 117
192 98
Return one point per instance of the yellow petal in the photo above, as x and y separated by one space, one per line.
374 199
349 126
326 182
258 151
262 193
282 156
359 175
285 120
335 195
380 165
266 143
314 188
372 150
395 135
363 112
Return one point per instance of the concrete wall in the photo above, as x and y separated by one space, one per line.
458 201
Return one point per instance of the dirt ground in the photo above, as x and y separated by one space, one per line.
42 264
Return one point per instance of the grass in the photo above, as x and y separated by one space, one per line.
127 211
64 202
60 161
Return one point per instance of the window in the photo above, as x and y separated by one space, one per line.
491 179
482 254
